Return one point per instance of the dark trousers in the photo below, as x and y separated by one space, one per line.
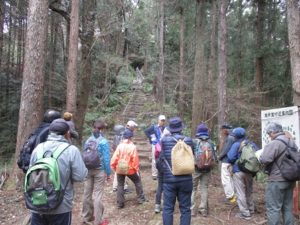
51 219
136 179
159 189
182 191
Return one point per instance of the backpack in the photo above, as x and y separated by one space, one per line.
290 164
123 162
248 161
182 158
90 154
204 155
38 136
43 190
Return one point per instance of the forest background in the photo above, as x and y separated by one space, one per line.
205 60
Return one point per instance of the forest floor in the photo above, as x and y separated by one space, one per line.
13 211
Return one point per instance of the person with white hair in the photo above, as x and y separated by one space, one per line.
279 191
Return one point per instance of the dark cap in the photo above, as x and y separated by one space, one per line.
127 133
226 126
59 126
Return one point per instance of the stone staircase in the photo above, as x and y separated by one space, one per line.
140 109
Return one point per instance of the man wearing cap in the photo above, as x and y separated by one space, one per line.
71 167
127 150
175 187
95 181
154 134
201 175
279 191
225 166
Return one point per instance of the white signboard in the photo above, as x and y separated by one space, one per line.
287 117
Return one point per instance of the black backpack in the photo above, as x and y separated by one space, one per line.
38 136
290 164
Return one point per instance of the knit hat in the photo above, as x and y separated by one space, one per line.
68 116
202 130
127 134
59 126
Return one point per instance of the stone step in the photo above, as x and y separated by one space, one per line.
145 165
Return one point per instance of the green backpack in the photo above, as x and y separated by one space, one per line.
248 161
43 190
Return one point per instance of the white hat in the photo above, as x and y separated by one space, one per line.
161 117
131 123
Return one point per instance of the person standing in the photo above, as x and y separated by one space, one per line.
71 168
175 187
95 181
279 191
243 182
127 151
154 134
202 142
225 166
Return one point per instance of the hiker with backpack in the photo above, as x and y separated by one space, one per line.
242 181
226 167
154 133
125 162
118 137
54 166
38 136
96 156
205 158
176 162
279 189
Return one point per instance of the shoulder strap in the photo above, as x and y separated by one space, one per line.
57 152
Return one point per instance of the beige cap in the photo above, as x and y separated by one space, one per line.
161 117
131 123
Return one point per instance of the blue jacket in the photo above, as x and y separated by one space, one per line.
167 143
157 131
104 151
234 154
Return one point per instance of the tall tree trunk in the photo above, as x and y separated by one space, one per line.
259 61
222 80
2 17
86 70
199 71
293 19
31 106
181 63
212 63
160 75
72 58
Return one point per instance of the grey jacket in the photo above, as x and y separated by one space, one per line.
226 147
273 154
71 167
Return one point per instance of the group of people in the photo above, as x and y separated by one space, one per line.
238 185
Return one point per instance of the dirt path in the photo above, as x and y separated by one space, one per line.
13 211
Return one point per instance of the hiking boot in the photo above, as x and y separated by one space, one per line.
232 199
115 190
241 216
154 177
142 201
157 208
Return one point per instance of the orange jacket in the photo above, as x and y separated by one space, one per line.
127 148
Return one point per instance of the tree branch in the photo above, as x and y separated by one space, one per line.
63 13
